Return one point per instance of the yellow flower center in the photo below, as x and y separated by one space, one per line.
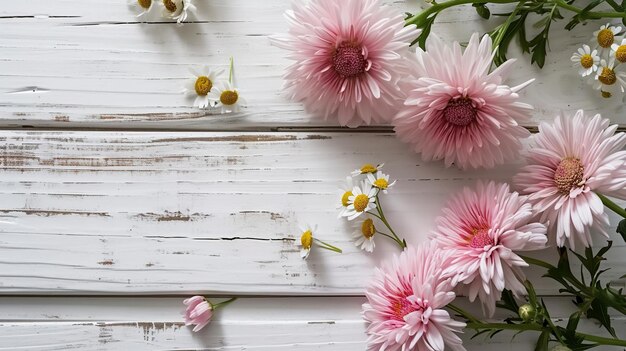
605 38
480 238
203 85
144 3
345 199
229 97
586 61
381 183
568 174
360 202
306 239
368 168
367 228
607 76
620 53
606 94
169 5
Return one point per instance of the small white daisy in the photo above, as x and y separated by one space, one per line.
606 79
226 97
364 234
344 193
306 240
604 37
367 168
380 181
177 10
201 84
586 60
362 200
619 51
142 6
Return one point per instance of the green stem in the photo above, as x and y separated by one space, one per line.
504 326
503 28
230 72
612 205
463 313
223 303
592 15
537 262
602 340
328 246
379 208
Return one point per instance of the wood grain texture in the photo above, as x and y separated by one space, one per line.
77 63
120 213
248 324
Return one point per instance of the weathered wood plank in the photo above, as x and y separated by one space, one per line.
249 324
109 212
90 64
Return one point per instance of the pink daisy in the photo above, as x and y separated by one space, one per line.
483 228
568 163
349 57
406 301
458 111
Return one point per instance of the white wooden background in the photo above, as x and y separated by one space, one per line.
119 198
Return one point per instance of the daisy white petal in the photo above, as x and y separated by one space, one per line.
364 234
226 97
200 85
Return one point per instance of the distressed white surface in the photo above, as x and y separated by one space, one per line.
120 212
247 324
124 213
88 63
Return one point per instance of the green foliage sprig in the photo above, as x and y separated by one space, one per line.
515 26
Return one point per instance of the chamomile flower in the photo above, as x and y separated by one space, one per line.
604 38
227 97
201 84
363 199
619 51
380 181
606 79
364 234
367 168
586 60
142 6
306 240
344 193
177 10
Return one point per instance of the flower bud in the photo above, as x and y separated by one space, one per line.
527 312
560 347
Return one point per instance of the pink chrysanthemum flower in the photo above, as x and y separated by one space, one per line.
569 162
349 56
458 111
406 301
198 312
483 229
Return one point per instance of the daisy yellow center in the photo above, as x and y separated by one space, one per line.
568 174
348 60
401 308
306 239
144 3
368 168
605 38
360 202
460 112
620 53
586 61
229 97
606 94
203 85
367 228
480 238
381 183
607 76
345 199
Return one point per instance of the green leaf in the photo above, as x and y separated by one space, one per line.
621 228
425 27
482 10
542 341
507 301
600 312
